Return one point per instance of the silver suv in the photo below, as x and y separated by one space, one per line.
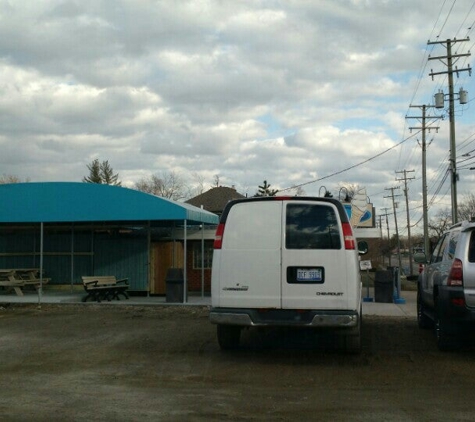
446 287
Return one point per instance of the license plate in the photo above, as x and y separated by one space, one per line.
309 274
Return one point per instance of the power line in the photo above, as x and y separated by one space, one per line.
465 20
447 17
351 167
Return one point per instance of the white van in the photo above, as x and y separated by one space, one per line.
285 261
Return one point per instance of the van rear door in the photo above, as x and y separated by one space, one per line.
248 264
314 259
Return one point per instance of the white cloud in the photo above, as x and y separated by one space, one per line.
291 92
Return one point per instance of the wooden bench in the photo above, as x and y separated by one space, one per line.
107 287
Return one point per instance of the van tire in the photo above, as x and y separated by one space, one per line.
353 339
229 336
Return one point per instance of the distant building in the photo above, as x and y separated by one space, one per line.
215 199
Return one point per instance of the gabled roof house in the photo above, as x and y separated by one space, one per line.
215 199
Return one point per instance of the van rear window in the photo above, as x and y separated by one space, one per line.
312 226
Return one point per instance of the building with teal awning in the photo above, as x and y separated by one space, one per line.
75 229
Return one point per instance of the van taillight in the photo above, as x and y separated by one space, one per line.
218 237
456 274
348 236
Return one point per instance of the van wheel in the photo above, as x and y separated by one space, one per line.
423 321
353 339
229 336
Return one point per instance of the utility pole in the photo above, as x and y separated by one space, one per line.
395 222
409 243
381 237
387 229
423 129
380 226
449 57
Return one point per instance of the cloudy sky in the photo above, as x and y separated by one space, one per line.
298 92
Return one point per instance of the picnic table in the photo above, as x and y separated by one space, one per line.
17 278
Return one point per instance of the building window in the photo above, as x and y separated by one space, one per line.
208 255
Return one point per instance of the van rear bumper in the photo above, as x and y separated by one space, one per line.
284 317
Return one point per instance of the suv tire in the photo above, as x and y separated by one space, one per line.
446 340
229 336
423 321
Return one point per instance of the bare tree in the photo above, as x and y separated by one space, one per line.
297 191
466 208
101 173
10 178
168 185
439 224
200 181
443 219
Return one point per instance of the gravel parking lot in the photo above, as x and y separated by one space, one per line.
101 362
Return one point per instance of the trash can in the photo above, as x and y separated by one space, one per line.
175 285
383 286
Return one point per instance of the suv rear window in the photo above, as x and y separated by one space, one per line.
311 226
439 249
471 247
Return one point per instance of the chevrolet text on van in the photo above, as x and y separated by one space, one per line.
285 261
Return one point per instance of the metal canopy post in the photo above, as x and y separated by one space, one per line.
149 252
185 276
40 290
202 255
72 256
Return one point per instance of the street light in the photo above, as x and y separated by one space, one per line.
347 196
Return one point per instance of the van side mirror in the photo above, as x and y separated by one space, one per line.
363 247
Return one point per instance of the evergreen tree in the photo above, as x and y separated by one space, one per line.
108 176
265 190
101 173
94 172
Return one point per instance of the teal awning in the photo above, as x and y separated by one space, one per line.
66 202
